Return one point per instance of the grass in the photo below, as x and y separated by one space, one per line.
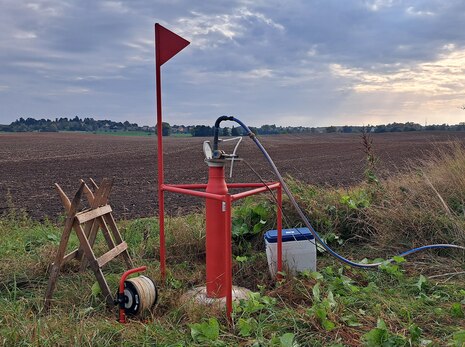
337 306
418 302
424 204
181 135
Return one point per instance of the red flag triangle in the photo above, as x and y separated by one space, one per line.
168 44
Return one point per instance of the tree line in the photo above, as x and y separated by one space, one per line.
203 130
69 124
91 125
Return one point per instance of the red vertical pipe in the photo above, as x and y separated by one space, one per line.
280 230
228 252
161 193
216 233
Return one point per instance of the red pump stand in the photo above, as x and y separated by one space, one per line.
216 236
218 200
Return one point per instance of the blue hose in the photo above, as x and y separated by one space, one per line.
307 222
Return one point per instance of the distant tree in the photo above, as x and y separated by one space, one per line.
255 130
165 129
346 129
331 129
235 131
269 129
50 128
226 132
202 130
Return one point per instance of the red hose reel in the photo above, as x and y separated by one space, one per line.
136 294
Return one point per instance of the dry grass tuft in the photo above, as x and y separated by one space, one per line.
425 204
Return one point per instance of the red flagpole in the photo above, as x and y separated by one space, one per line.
161 193
165 49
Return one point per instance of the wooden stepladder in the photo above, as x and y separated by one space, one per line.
86 224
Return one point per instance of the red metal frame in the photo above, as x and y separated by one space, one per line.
173 45
228 199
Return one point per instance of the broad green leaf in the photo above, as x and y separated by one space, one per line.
398 259
459 338
96 289
241 259
246 326
205 331
316 291
421 283
380 324
287 340
456 310
328 325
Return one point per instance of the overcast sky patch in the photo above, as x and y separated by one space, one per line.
310 63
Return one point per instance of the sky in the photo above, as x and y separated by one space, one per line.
285 62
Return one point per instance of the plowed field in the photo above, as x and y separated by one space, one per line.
31 163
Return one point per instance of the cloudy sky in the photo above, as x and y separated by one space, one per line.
308 62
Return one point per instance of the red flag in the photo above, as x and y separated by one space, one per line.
168 44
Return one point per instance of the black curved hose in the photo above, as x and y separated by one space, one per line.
216 130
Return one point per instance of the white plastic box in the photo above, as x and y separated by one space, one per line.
299 250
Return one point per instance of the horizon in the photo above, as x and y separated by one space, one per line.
299 63
53 119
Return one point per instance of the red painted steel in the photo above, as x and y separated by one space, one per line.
227 199
279 221
161 196
167 44
229 185
247 185
219 253
254 191
190 186
228 252
185 191
216 234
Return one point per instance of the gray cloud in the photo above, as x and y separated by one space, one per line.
295 62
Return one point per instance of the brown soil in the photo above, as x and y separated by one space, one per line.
31 163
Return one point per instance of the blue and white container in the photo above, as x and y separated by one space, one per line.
299 250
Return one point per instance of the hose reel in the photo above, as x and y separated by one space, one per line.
136 294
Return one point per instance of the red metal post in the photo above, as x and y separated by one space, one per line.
161 194
280 230
228 252
216 233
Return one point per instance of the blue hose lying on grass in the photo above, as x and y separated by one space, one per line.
301 213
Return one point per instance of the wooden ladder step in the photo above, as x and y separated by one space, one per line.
86 216
112 253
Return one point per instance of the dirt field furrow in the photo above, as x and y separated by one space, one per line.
31 163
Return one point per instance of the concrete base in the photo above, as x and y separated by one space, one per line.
198 296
